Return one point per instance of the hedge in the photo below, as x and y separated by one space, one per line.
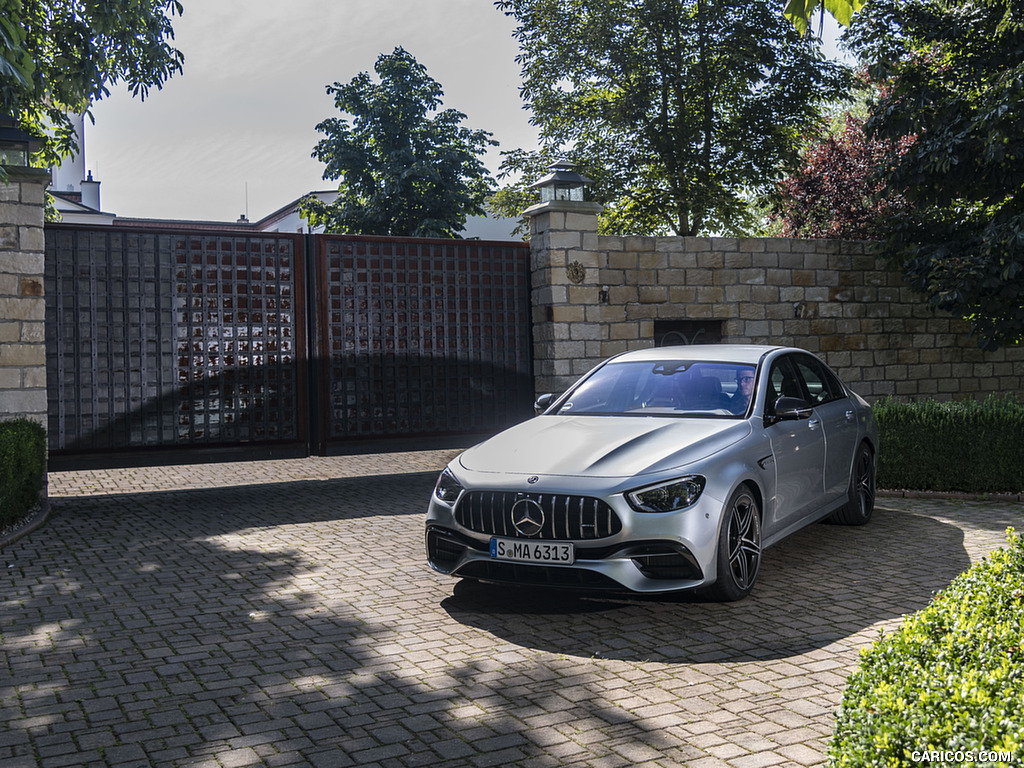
964 446
948 686
22 462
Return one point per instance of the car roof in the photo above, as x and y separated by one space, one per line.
724 353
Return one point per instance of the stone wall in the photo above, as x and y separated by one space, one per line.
22 306
595 296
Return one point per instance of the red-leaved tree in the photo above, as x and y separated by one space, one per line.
839 191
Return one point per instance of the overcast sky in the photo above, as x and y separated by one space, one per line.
243 113
233 133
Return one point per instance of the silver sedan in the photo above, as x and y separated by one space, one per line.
660 470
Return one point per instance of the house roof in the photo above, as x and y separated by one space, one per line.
290 208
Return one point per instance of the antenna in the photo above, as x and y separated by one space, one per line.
244 218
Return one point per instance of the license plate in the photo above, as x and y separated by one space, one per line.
533 551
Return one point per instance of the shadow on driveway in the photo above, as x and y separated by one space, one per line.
821 585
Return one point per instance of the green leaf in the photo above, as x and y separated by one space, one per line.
842 10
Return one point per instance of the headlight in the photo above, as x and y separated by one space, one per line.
447 488
667 497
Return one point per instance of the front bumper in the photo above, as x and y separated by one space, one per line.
639 567
663 552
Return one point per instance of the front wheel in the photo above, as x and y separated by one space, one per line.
861 493
739 547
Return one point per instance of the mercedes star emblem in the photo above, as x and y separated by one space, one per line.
527 517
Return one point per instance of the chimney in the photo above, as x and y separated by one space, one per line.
91 193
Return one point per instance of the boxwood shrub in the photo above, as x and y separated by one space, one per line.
22 462
964 446
949 682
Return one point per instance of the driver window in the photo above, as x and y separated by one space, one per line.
782 382
820 386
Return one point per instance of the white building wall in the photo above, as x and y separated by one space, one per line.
68 176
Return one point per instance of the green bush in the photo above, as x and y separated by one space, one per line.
950 680
22 462
965 446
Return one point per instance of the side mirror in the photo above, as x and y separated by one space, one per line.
543 403
789 409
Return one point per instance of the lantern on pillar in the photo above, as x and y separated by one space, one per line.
16 146
563 183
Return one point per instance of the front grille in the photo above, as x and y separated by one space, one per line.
565 516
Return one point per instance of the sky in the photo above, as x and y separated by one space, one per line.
233 133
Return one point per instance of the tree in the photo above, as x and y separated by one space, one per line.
838 191
58 57
403 172
955 74
680 110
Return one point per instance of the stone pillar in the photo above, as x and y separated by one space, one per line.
22 306
565 274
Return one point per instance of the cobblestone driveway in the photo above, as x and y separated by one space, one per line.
280 613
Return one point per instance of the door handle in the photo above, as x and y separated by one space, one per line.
851 416
814 423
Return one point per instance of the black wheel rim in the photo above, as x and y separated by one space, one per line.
864 483
744 541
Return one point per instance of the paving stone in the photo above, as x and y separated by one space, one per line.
801 754
281 613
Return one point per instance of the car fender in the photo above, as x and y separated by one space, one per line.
737 473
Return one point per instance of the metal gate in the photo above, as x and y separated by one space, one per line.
228 343
422 336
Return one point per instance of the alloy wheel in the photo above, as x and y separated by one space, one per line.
864 483
744 540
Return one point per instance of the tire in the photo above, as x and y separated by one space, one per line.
739 547
861 493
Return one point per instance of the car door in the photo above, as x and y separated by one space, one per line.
832 405
798 448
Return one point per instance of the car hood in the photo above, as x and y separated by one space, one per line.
602 446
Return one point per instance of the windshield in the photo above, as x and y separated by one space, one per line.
664 387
